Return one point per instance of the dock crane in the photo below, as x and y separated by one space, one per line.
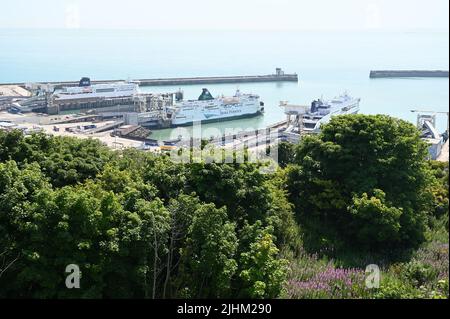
434 112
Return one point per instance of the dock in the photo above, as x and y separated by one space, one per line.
408 74
278 76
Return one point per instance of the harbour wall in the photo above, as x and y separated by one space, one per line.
187 81
408 73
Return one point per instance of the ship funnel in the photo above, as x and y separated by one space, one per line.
179 96
205 95
84 82
315 106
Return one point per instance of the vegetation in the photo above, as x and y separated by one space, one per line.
142 226
362 184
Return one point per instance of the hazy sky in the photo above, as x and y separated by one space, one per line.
226 14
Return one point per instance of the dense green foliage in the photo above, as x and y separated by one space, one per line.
142 226
362 184
63 161
138 225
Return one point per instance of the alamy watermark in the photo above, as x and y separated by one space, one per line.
373 276
73 279
233 145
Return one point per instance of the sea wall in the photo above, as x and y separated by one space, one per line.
187 81
408 73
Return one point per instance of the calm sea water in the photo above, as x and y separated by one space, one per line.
328 63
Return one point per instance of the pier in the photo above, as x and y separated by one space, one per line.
279 76
408 74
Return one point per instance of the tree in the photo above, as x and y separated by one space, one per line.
374 221
208 260
168 177
136 224
286 154
43 230
280 215
261 272
361 183
240 188
66 161
182 210
440 188
154 233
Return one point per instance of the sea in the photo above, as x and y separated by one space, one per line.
328 63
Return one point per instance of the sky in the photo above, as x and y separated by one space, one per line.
227 14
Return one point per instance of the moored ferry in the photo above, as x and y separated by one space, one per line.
210 109
105 90
321 111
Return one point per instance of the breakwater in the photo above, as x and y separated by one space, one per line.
220 79
408 73
187 81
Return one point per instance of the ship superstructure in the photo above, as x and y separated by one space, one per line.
115 97
107 90
321 111
308 119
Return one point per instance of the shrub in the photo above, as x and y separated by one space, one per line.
362 184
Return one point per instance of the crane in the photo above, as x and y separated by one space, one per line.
434 112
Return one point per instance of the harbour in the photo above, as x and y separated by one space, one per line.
125 99
319 77
121 109
122 116
320 72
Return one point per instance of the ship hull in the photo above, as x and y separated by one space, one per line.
156 125
222 119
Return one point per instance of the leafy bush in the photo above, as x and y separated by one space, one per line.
362 184
394 288
419 273
138 225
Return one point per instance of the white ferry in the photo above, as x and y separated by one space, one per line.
106 90
322 111
210 109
